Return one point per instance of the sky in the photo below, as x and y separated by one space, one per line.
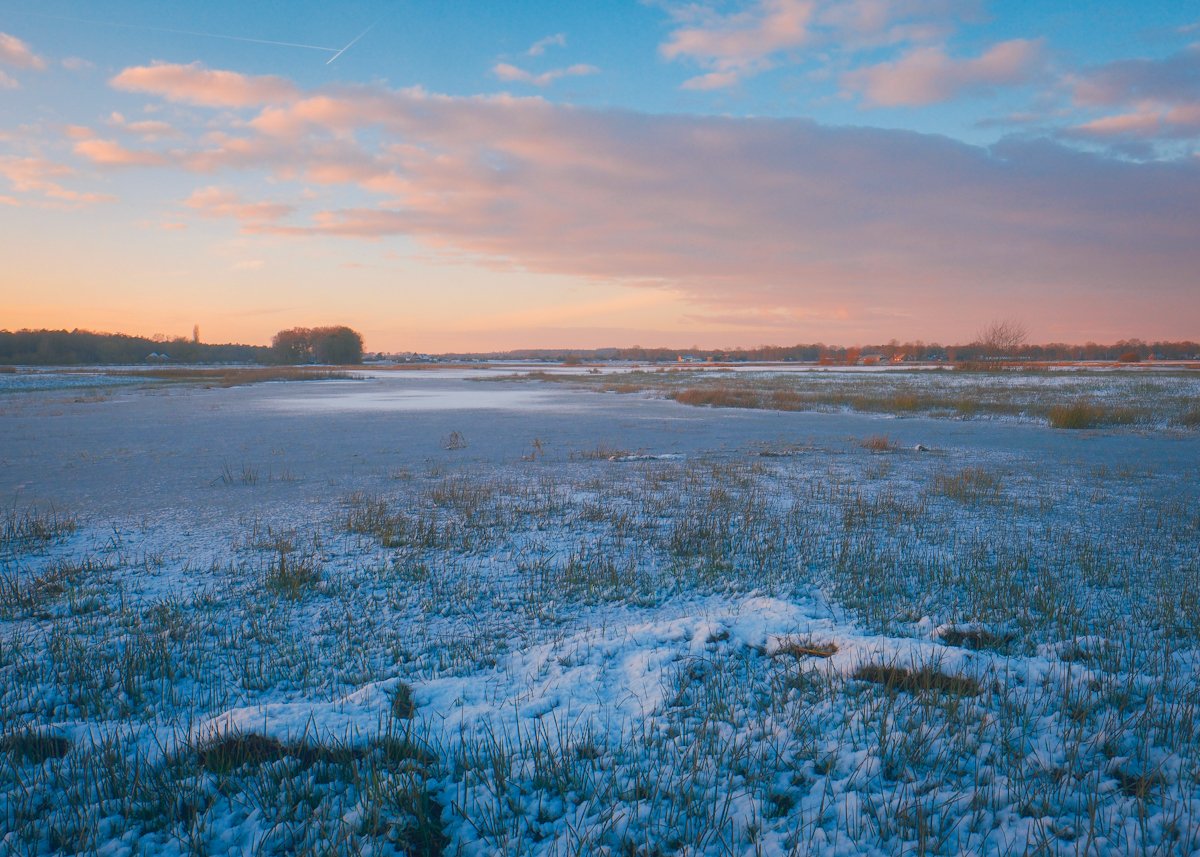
466 176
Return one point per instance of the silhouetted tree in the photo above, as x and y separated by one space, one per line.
1003 338
337 344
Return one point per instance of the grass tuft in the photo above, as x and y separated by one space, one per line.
36 747
922 680
1085 415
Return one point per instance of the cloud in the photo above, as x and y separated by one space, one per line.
1155 98
222 202
1174 79
109 153
195 84
928 75
508 72
7 82
78 64
538 48
16 53
34 175
766 33
728 211
739 43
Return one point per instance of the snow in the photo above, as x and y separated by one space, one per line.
648 696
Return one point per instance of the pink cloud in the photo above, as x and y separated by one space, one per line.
7 82
506 71
195 84
738 43
40 177
766 33
222 202
109 153
16 53
775 213
928 75
1157 98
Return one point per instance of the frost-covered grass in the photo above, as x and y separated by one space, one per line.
1078 398
779 649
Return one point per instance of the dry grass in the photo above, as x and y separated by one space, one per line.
969 485
806 649
236 376
1085 415
921 680
878 443
976 638
35 747
453 441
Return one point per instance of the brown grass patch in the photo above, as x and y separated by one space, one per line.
236 376
805 649
878 443
718 397
1084 415
917 681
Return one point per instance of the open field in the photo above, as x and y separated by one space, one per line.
1063 397
413 614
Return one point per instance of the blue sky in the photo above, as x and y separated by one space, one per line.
497 175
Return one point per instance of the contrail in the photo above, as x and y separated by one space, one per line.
225 36
352 41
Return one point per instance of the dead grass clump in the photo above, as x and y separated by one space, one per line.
293 576
404 707
226 753
36 747
1137 784
33 526
602 452
454 440
1084 415
718 397
878 443
805 649
975 638
968 485
236 376
917 681
1189 419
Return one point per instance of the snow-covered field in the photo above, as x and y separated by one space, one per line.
418 614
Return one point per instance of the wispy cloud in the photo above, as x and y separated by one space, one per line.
222 202
740 43
41 178
195 84
14 52
763 34
511 73
1153 98
558 40
929 75
110 153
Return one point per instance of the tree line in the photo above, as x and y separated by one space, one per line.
339 345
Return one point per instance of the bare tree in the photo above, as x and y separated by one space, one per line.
1003 337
